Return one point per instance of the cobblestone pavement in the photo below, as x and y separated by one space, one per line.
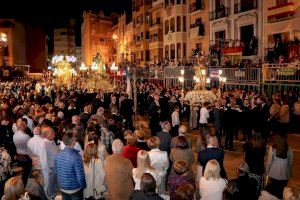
232 158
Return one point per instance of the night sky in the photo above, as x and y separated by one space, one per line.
55 13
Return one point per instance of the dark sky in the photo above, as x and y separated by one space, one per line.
55 13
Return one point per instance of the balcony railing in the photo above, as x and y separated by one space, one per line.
238 8
218 14
281 12
281 73
195 32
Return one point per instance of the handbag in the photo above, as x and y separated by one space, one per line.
99 192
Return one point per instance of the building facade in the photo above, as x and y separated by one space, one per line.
26 45
96 37
156 30
176 18
281 27
236 28
78 55
64 40
141 23
199 26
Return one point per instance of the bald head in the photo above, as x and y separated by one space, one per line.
182 130
75 119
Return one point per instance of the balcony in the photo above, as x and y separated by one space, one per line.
155 3
155 44
281 12
156 24
196 33
238 8
218 14
195 8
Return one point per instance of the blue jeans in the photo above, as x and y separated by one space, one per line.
76 196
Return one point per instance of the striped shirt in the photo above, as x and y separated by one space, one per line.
69 169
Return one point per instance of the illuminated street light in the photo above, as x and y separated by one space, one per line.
82 67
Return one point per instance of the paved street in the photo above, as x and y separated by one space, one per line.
233 158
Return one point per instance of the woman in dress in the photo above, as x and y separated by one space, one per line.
131 149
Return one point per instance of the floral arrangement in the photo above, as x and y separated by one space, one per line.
200 96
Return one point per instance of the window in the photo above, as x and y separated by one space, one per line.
178 1
166 27
184 24
184 50
147 55
172 51
178 50
178 24
172 25
167 52
280 2
147 35
142 55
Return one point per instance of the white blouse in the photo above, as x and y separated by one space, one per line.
212 189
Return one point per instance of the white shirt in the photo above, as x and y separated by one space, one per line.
159 160
34 147
29 122
204 115
77 147
211 189
156 175
175 119
20 139
47 154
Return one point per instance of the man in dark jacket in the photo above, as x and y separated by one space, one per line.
165 137
126 111
212 152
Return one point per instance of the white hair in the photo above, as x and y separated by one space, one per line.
60 115
117 146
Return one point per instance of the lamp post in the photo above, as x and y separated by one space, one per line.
181 80
114 68
3 41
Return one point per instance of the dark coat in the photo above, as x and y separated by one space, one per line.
212 153
165 141
140 195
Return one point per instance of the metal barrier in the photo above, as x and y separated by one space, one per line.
281 73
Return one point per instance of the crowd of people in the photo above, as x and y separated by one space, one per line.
79 145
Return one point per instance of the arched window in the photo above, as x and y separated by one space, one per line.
184 24
184 50
167 52
166 27
172 25
178 51
172 51
178 23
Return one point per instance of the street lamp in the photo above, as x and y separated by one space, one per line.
114 68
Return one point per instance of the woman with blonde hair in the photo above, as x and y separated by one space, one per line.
212 185
94 173
14 189
291 192
143 166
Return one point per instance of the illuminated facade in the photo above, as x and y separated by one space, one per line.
281 21
141 22
96 37
176 18
156 30
64 40
199 26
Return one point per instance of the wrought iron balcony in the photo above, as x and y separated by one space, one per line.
238 8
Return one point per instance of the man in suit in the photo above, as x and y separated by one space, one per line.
126 111
165 137
230 124
265 115
212 152
99 116
118 171
85 116
181 132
